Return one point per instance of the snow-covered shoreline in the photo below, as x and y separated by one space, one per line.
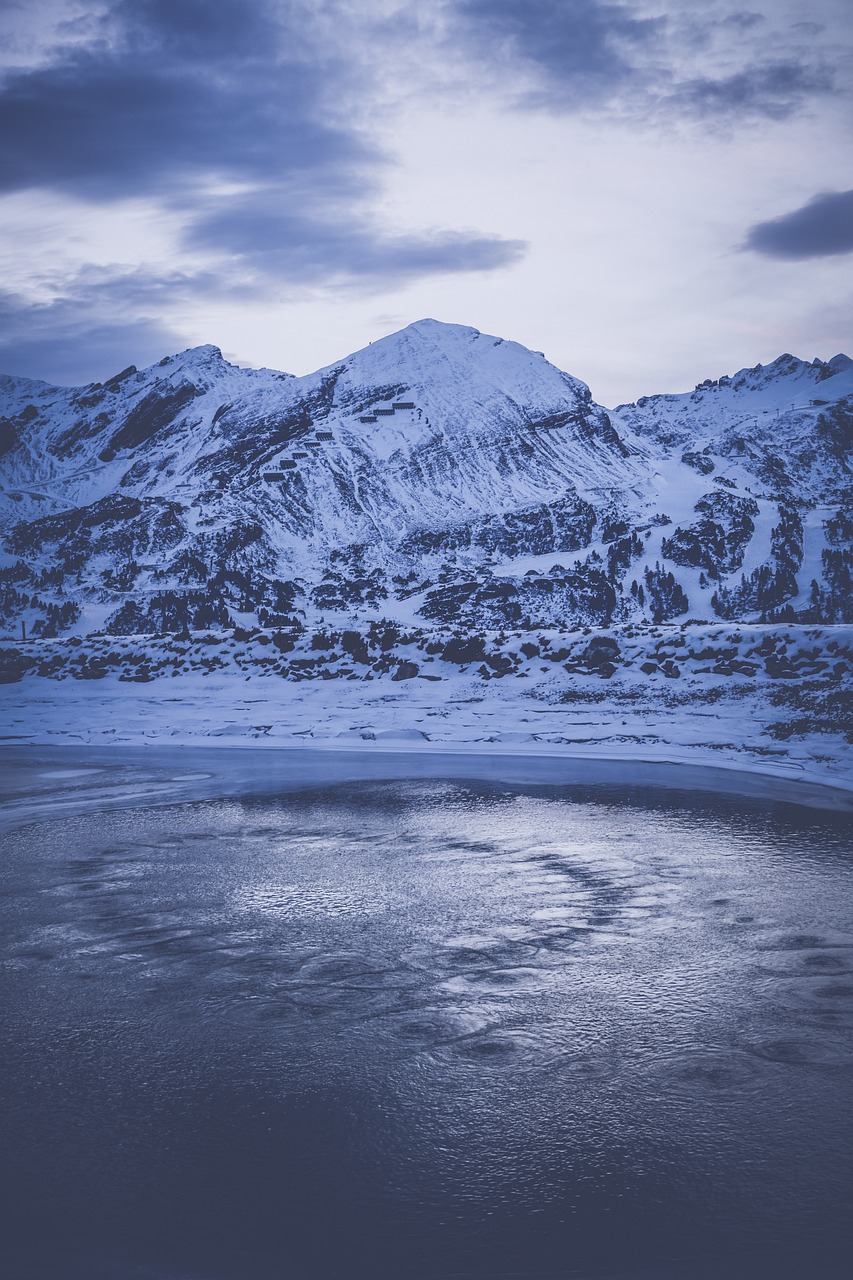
83 731
758 700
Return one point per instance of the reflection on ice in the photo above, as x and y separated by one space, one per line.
289 900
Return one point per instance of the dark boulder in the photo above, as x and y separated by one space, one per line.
462 651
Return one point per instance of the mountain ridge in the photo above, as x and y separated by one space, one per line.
440 454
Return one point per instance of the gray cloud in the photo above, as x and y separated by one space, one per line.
576 47
819 229
571 55
773 92
163 96
270 234
178 98
196 30
156 105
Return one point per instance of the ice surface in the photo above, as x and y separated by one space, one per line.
421 1017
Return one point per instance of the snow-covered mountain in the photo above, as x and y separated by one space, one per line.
438 477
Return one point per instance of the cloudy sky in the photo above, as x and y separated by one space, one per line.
651 193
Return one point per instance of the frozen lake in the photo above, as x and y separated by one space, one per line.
347 1021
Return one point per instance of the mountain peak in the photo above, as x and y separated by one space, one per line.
205 354
429 326
455 370
426 334
203 366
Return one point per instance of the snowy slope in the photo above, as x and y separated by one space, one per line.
784 426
